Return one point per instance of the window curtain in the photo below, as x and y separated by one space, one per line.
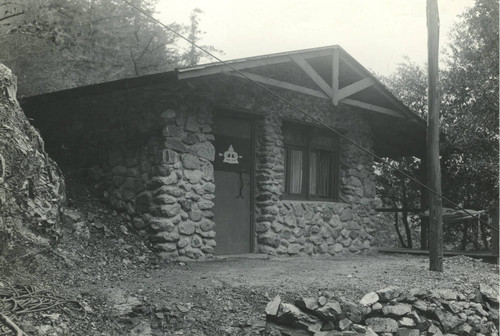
313 173
320 174
296 171
324 175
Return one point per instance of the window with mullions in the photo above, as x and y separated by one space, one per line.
311 163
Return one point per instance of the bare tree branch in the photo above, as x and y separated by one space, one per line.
11 16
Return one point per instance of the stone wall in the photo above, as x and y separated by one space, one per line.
149 151
389 311
180 196
309 227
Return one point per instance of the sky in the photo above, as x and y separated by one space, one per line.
377 33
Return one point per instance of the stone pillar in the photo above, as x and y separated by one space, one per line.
269 180
181 192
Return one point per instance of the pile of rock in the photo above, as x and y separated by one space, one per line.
389 311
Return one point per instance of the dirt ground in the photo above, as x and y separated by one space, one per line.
126 290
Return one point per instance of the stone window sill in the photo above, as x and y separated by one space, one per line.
340 202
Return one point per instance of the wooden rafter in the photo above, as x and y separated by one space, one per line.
351 63
281 84
236 66
252 62
335 76
308 69
327 91
355 87
371 107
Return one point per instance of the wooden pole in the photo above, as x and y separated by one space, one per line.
494 234
424 205
434 169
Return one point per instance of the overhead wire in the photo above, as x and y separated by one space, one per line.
319 122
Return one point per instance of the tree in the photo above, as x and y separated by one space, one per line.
470 107
396 191
193 55
409 83
469 117
58 44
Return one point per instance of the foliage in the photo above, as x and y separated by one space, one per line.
193 55
470 108
409 83
58 44
396 191
469 119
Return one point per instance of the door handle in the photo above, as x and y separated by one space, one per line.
240 193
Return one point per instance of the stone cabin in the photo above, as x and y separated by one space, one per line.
204 161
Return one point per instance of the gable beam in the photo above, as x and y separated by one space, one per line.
355 88
372 107
222 68
335 76
382 90
280 84
308 69
252 62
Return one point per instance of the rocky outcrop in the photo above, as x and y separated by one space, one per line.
389 311
31 185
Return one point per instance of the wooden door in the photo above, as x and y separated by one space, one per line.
233 171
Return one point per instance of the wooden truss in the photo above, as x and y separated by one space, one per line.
326 91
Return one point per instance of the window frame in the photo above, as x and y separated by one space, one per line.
307 149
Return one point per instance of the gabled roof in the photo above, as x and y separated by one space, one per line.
336 75
330 73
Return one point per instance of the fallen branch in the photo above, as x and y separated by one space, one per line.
11 325
19 299
11 16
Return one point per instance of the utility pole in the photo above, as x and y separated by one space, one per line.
434 168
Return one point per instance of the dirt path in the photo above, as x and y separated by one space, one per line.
354 274
228 297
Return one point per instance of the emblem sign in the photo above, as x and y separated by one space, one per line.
230 156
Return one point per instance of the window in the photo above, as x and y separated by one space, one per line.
311 163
